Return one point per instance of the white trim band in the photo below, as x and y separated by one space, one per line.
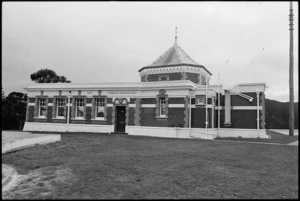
176 105
148 105
245 107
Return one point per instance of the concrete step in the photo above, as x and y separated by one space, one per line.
119 133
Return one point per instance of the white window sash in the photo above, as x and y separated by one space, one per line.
79 103
42 104
200 102
60 104
162 104
100 102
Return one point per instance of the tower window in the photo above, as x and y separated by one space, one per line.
163 78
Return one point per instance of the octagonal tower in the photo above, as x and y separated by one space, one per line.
175 64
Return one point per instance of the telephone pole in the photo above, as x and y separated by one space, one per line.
291 75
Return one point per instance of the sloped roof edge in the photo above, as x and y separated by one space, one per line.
199 66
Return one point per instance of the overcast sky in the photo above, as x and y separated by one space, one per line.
90 42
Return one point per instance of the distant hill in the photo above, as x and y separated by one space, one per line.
277 114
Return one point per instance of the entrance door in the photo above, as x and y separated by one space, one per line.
120 119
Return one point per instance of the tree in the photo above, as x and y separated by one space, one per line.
3 96
47 76
14 111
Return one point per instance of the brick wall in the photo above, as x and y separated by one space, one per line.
243 119
109 116
88 114
147 116
199 117
148 101
176 116
240 101
176 101
131 117
49 114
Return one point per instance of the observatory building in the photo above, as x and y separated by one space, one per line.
174 99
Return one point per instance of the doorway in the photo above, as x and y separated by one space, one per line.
120 119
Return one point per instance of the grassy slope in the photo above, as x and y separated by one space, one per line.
131 167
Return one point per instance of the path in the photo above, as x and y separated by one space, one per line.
13 140
284 131
9 177
294 143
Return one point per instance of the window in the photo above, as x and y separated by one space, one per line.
201 100
79 108
162 107
60 109
163 79
100 103
42 107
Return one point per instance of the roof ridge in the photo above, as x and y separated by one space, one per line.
188 56
176 49
161 56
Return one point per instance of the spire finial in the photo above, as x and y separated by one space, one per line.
176 34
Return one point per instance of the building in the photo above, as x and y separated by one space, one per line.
173 99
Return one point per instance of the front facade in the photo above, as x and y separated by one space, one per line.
173 99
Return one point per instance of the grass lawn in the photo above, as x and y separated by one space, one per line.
101 166
275 138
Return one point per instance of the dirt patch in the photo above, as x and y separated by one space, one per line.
41 183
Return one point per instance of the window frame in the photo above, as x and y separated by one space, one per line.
96 106
202 102
39 107
162 105
58 106
162 94
200 97
76 106
160 77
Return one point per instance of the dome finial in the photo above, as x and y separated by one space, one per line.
176 34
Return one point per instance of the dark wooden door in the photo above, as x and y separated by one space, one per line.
121 118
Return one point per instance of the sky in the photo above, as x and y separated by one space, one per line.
94 42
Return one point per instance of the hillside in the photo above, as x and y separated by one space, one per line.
277 114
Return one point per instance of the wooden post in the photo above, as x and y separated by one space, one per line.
291 74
